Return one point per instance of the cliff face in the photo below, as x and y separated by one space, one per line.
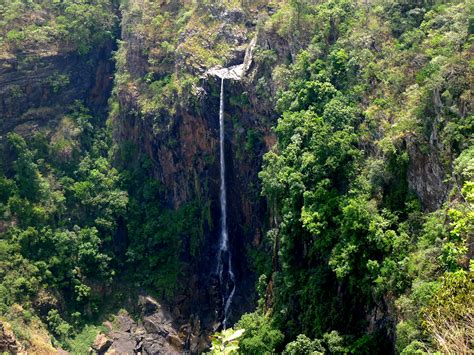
165 103
181 135
36 88
168 108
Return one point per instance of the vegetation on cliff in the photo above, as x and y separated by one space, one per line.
357 248
61 202
369 186
51 26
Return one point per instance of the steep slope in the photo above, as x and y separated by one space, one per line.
167 108
164 118
375 134
56 74
43 61
38 88
348 149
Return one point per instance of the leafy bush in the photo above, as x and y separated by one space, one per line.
260 337
304 346
226 342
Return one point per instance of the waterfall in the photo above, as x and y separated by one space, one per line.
224 261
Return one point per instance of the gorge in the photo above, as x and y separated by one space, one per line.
248 177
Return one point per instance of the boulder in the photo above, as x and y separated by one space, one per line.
155 325
101 343
148 305
175 341
124 343
126 323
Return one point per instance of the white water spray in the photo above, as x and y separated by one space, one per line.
224 261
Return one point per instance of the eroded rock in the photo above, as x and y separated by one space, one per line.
8 342
158 332
148 305
427 178
235 72
101 343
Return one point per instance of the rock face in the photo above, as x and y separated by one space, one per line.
36 89
8 343
235 72
426 177
181 136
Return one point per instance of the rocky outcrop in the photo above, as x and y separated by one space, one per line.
101 344
426 177
235 72
156 332
8 342
37 88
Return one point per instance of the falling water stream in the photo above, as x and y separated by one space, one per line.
224 261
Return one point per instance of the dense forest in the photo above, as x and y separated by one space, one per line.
349 146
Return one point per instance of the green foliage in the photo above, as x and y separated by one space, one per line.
449 315
404 16
304 346
27 176
60 220
58 326
351 233
326 21
81 342
95 195
226 342
407 333
464 165
159 237
334 342
331 343
69 252
86 24
75 25
261 336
